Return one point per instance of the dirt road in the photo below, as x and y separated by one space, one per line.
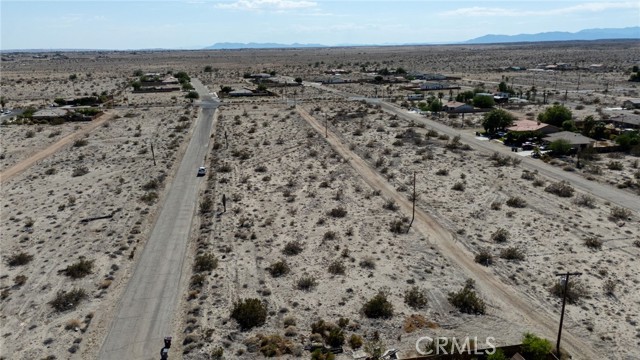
148 305
511 306
52 149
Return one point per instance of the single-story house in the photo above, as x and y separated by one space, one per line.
457 107
625 120
431 86
241 92
530 125
631 104
576 140
415 97
48 114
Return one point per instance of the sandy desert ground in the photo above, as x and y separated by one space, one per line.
292 197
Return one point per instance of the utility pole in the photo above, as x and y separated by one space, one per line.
153 155
564 301
413 214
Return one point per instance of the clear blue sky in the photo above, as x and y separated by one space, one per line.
117 24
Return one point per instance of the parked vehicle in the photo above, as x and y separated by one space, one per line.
202 171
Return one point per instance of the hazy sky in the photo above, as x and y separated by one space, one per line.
116 24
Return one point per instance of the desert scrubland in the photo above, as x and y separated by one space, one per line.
315 228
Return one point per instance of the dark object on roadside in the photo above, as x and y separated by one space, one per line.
167 342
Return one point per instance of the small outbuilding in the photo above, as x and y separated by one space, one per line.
530 125
631 104
457 107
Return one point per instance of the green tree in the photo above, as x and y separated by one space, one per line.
192 95
498 355
555 115
560 147
497 119
628 140
465 96
535 346
569 125
435 106
3 102
73 77
483 101
208 69
587 125
502 87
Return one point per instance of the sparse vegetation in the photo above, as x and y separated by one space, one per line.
512 253
378 307
561 188
19 259
466 300
279 268
576 290
67 300
79 269
415 298
205 262
501 235
249 313
292 248
516 202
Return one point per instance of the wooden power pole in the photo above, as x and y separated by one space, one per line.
564 301
413 214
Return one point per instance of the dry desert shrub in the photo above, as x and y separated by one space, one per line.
197 281
355 341
516 202
80 142
149 197
512 253
561 188
528 175
279 268
73 324
501 235
331 334
292 248
585 200
79 269
415 298
496 205
67 300
306 283
593 243
205 262
484 257
274 345
619 213
338 212
337 267
378 307
20 280
575 290
19 259
368 263
609 287
458 186
466 300
249 313
79 171
390 205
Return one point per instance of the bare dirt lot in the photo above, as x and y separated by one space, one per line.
306 232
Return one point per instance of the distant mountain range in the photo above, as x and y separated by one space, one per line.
587 34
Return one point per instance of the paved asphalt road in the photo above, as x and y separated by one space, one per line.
148 304
604 191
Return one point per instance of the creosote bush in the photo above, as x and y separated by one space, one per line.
619 213
516 202
249 313
501 235
67 300
79 171
560 188
415 298
338 212
292 248
279 268
512 253
484 257
79 269
593 242
575 290
306 283
18 259
205 262
585 200
337 268
378 307
466 300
